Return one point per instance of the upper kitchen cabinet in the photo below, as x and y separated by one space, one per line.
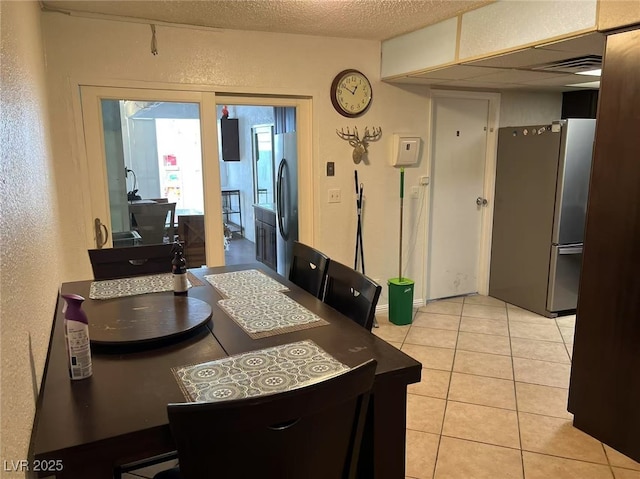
537 44
230 139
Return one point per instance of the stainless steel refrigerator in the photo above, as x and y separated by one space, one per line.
542 186
286 156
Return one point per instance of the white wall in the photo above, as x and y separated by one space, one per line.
80 49
518 108
30 231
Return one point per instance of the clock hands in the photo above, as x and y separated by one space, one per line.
353 92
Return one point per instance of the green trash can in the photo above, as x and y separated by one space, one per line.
400 301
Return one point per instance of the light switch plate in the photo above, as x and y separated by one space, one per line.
331 168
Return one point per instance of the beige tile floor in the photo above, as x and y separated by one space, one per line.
492 399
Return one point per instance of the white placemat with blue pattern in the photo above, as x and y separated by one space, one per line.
269 314
117 288
238 284
266 371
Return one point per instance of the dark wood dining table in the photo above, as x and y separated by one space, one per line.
118 415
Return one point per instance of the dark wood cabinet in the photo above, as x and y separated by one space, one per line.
604 393
580 104
266 249
230 139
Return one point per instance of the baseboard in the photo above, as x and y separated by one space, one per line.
384 308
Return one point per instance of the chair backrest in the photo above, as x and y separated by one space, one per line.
352 293
152 222
111 263
308 269
191 233
313 432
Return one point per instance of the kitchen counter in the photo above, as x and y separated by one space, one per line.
266 206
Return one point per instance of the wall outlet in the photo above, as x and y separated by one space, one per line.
335 195
414 192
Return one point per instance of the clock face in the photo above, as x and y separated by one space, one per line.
351 93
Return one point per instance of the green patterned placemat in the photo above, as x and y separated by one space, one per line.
244 283
153 283
266 371
269 314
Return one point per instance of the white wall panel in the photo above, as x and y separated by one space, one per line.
30 228
427 47
520 108
509 24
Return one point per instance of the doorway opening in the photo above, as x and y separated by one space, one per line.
258 179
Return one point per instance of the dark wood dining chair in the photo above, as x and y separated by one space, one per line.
352 293
154 221
112 263
313 432
309 269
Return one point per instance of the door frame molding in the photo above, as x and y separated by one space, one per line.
493 122
94 148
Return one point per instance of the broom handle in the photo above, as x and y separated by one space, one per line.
401 210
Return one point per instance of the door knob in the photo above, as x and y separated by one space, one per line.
480 201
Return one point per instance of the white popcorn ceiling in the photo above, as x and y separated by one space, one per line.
364 19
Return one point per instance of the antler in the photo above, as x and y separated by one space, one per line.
377 133
359 146
352 138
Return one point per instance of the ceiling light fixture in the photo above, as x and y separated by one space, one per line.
596 73
591 84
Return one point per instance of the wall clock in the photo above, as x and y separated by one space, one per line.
351 93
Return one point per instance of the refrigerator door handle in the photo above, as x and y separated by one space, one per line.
572 250
280 202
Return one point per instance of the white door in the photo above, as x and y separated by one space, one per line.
457 181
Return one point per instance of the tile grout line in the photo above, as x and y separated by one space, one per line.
555 321
540 453
515 393
446 399
604 450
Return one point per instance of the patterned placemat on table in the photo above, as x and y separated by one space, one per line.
153 283
266 371
269 314
243 283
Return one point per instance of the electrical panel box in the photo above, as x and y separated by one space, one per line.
406 150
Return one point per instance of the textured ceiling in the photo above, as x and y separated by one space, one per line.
364 19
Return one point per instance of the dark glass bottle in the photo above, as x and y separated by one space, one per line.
179 269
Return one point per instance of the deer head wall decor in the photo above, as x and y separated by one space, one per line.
359 146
